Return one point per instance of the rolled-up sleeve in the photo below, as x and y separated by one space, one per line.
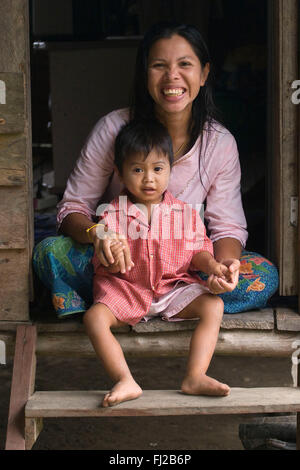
224 211
91 174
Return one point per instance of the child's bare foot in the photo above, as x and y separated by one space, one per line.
124 390
204 385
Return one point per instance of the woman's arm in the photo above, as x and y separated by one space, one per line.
90 177
224 210
75 225
227 248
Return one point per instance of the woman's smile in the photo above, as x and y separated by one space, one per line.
173 92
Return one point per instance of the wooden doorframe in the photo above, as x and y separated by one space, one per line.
283 130
16 201
283 127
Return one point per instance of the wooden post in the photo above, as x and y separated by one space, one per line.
283 69
33 427
22 386
16 202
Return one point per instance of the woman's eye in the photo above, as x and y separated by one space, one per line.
158 168
185 64
157 65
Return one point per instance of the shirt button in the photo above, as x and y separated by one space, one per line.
151 255
153 287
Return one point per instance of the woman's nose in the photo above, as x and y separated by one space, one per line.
172 72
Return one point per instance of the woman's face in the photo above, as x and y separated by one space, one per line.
175 75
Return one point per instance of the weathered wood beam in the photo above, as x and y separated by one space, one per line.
22 386
231 342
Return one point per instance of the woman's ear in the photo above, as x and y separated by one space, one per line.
205 73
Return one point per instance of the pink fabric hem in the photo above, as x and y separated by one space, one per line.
173 302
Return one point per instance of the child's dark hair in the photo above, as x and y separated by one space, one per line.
141 137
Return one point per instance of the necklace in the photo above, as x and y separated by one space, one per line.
180 148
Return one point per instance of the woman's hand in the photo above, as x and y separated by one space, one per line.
229 280
112 250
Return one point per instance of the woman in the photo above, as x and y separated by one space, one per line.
172 85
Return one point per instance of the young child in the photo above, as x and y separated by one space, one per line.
168 245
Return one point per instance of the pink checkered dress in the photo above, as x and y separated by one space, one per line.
161 251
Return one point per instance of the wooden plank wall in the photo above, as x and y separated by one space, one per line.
283 140
16 208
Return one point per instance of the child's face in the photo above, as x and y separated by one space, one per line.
146 179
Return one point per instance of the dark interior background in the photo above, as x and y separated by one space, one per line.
82 59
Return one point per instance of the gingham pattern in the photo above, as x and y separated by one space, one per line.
160 262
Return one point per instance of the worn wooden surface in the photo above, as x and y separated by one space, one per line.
12 18
164 403
10 177
12 152
33 427
16 206
287 319
13 220
283 132
22 386
14 272
230 342
246 334
12 119
256 320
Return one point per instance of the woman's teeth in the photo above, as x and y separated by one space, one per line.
173 91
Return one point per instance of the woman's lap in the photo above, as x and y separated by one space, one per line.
65 268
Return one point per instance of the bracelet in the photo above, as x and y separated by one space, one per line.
90 228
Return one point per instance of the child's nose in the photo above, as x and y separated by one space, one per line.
148 176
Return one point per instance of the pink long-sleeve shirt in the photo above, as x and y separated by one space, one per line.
93 178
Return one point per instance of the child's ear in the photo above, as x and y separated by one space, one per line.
118 173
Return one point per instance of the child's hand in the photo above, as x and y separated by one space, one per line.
102 244
228 280
117 251
219 270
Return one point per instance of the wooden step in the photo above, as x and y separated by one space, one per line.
164 403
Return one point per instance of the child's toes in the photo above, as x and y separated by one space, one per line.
108 400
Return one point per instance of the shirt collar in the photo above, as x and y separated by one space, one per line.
122 203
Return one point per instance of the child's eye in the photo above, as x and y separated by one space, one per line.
158 168
137 170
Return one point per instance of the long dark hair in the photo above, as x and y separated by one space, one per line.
204 111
